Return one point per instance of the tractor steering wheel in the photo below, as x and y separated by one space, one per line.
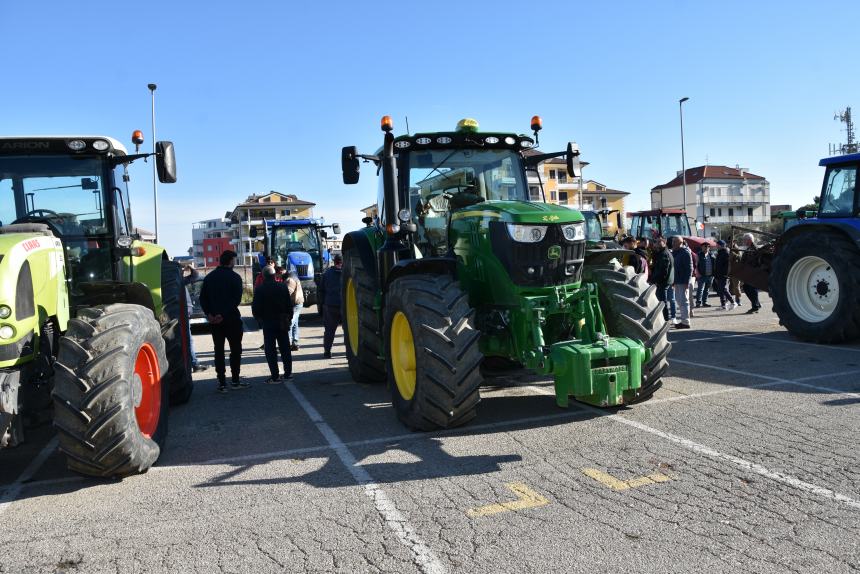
47 216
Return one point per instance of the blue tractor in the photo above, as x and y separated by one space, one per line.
297 246
814 280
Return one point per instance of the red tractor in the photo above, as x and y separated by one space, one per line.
666 223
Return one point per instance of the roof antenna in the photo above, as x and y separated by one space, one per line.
407 125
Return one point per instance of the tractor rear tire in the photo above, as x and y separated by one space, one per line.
110 400
433 360
815 288
631 309
361 335
174 331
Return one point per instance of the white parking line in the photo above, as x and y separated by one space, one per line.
14 489
771 340
427 562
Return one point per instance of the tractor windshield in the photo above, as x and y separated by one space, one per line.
285 240
593 228
66 193
436 176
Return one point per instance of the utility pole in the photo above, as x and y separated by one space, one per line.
845 117
683 165
154 170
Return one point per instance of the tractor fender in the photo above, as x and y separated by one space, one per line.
425 265
107 292
361 242
849 228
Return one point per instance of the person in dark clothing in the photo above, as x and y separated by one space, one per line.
273 307
329 301
683 268
637 262
748 242
663 273
705 267
220 298
721 276
642 251
188 280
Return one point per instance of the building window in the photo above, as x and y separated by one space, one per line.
285 212
552 174
562 177
719 212
562 197
713 212
208 248
534 193
731 212
749 212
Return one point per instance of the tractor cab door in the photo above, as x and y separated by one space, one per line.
839 198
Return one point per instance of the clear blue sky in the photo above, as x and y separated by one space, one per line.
261 96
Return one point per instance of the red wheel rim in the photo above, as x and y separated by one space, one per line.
147 390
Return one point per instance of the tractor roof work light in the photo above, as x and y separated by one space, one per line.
386 124
467 125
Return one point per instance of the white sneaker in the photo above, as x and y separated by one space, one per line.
732 306
723 308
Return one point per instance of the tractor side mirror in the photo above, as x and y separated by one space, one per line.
323 234
335 228
367 221
349 165
574 169
165 162
89 183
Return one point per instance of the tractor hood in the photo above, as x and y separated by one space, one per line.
520 212
302 263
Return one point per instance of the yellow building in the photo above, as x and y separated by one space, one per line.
587 195
371 211
251 213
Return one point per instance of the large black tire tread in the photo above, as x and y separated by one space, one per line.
93 391
448 374
365 364
631 309
844 257
174 331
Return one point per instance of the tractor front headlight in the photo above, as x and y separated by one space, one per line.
7 332
5 312
574 231
527 233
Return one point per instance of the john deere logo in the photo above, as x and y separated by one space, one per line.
554 252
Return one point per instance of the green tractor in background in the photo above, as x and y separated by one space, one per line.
462 267
93 322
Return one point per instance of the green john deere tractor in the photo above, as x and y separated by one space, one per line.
462 266
93 322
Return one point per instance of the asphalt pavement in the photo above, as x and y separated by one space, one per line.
745 461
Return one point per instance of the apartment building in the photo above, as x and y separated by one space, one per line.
202 231
251 214
717 195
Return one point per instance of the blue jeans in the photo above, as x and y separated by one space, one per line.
703 289
667 295
294 326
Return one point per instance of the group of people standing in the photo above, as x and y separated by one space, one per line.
277 304
684 277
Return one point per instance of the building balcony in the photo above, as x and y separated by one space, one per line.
736 200
719 220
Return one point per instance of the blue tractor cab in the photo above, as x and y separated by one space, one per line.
297 245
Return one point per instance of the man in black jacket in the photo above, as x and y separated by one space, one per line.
220 297
663 276
329 301
721 276
273 308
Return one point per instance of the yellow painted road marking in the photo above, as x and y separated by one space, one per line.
618 484
528 498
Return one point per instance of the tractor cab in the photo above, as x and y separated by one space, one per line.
666 223
77 189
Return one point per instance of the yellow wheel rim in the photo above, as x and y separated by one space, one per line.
403 356
351 316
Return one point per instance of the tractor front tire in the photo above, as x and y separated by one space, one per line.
175 332
815 287
433 360
631 309
360 326
110 398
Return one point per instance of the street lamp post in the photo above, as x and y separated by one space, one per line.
683 165
154 170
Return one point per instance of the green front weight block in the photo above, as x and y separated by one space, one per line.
597 374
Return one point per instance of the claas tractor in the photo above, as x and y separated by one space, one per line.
461 267
93 321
